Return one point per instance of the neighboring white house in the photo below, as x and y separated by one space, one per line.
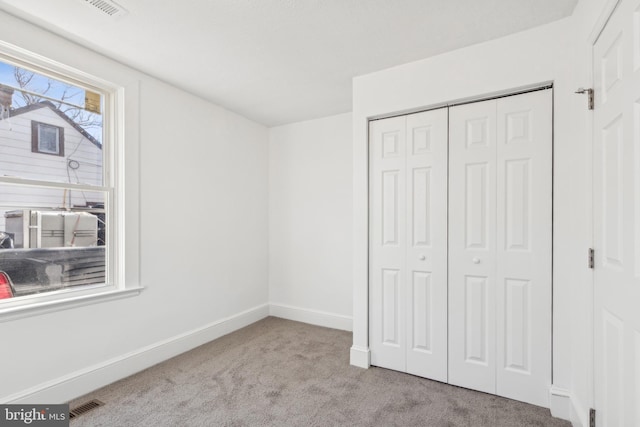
40 142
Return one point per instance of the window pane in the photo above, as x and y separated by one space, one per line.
66 125
51 239
48 139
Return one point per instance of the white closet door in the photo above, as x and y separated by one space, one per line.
408 243
471 306
616 62
427 244
387 242
472 246
500 230
524 229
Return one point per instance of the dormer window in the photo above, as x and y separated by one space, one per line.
47 139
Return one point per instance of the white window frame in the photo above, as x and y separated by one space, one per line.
122 259
56 131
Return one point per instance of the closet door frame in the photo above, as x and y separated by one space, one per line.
360 354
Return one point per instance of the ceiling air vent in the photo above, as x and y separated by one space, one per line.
107 7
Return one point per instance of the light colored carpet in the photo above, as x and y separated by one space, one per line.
282 373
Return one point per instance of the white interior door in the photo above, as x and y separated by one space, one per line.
617 218
408 243
524 247
387 242
472 246
500 246
427 244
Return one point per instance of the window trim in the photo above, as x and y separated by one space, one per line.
35 138
123 257
64 299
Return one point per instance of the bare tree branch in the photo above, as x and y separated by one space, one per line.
80 116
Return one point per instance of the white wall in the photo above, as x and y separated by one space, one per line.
203 241
310 221
543 54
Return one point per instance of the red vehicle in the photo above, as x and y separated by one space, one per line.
6 287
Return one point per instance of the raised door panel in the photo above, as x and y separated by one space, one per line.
613 169
426 237
517 326
518 218
390 207
472 245
390 307
387 242
524 246
476 327
421 207
421 318
476 195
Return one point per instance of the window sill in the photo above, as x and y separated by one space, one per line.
38 308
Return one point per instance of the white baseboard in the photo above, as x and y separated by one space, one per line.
86 380
314 317
560 402
579 413
360 357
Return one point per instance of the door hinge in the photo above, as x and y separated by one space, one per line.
592 417
592 257
589 92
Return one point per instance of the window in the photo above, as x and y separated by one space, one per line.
47 139
61 193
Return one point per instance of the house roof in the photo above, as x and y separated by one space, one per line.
51 105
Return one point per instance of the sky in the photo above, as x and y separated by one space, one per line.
39 84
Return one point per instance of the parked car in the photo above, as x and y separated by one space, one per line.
6 287
30 271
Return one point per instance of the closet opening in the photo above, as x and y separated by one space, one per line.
460 243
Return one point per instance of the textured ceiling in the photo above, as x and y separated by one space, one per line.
281 61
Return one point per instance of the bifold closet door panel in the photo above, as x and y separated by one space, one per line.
387 242
500 249
426 313
408 243
523 276
472 246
